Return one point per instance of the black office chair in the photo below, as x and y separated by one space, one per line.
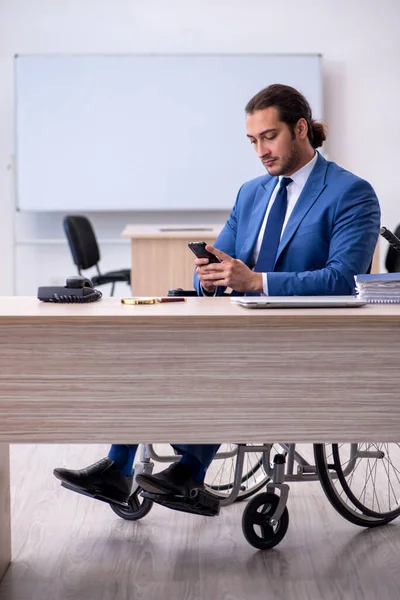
392 262
86 254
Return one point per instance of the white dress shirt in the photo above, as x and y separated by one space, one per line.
294 190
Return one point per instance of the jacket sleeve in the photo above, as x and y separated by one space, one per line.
352 244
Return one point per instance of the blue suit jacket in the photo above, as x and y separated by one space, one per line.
330 236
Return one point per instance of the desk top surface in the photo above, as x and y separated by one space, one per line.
192 232
23 307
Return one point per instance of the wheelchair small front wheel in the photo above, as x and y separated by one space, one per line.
256 522
136 509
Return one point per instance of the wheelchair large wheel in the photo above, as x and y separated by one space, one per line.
362 481
221 474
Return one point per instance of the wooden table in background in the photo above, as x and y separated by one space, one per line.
161 259
375 260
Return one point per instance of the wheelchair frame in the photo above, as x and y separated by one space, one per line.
278 473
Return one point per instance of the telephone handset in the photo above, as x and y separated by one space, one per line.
77 289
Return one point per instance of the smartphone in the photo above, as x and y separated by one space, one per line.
199 249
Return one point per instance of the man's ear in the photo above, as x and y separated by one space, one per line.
302 129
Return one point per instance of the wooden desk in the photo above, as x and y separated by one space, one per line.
201 371
161 259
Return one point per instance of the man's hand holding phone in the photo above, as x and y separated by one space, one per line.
228 272
205 284
203 257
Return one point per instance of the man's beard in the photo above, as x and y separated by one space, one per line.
290 161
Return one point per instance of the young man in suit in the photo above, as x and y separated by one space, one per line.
305 228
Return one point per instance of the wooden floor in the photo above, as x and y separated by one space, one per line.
66 547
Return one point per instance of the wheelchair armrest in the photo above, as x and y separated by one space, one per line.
185 293
181 292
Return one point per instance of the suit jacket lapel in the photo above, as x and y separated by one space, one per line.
260 205
314 186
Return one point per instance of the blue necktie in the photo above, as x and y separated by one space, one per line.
273 229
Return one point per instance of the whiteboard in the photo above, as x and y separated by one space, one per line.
142 132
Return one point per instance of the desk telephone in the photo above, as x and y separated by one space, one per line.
77 289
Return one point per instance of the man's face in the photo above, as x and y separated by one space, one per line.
278 150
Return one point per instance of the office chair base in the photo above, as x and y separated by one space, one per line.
95 496
203 504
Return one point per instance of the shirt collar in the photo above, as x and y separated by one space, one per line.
300 177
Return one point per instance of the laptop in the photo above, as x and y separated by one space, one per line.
298 301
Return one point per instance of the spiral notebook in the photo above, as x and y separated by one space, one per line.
380 288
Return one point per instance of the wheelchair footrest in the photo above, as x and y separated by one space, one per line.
94 495
202 504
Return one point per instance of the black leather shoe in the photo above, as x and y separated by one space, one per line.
177 480
203 503
100 479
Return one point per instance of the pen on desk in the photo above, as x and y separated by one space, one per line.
171 299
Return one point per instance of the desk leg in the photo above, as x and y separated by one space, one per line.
5 515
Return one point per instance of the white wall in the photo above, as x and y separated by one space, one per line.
359 40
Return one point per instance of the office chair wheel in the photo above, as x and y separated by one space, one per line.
219 479
256 522
137 507
349 475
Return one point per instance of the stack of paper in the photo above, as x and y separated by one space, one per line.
379 287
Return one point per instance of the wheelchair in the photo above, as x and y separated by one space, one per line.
347 472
